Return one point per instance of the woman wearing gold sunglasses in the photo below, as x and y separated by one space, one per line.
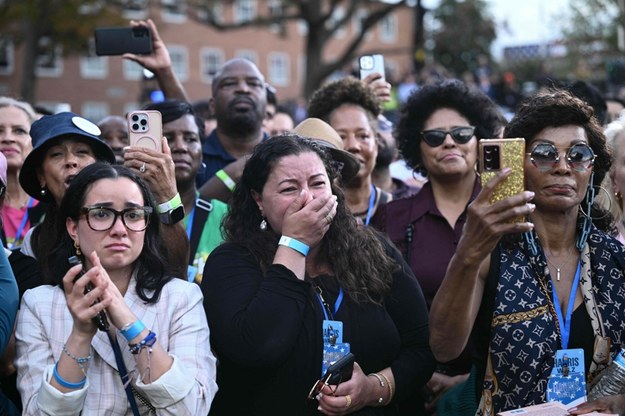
540 292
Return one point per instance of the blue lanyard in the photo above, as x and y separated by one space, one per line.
18 234
565 325
190 222
371 204
326 308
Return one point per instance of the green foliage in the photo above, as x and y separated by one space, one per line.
466 32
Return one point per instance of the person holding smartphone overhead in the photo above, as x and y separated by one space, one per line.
114 332
543 289
297 285
437 134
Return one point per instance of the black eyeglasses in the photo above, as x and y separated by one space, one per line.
436 137
311 400
545 156
103 218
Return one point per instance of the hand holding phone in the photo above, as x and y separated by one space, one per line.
100 320
121 40
339 372
145 129
494 156
371 64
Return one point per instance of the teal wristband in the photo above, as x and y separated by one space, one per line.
130 331
65 383
294 244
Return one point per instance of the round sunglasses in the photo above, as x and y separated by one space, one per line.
546 156
436 137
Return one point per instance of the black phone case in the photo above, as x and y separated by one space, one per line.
341 370
121 40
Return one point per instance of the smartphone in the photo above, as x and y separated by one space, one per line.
494 156
341 370
371 64
145 129
100 320
121 40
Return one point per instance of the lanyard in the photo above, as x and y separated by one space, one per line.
327 313
371 204
18 234
565 324
190 222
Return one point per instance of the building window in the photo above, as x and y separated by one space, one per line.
337 14
302 27
388 28
244 10
211 12
279 69
211 60
174 11
95 111
135 9
179 61
276 10
7 56
93 66
359 17
48 62
248 54
132 70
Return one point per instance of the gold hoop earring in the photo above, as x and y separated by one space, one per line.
77 248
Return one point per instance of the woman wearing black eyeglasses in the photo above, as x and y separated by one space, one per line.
114 333
543 297
437 134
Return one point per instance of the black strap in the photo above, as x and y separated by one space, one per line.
123 374
199 219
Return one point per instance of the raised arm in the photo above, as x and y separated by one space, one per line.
159 63
458 300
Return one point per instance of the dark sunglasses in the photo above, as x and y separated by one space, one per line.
545 156
311 400
436 137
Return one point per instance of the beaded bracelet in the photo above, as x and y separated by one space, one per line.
65 383
148 342
131 330
80 360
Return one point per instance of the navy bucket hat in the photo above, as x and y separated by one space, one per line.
50 130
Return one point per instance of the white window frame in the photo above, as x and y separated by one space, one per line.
244 10
337 14
95 110
180 67
249 54
279 75
388 28
302 27
139 13
93 66
174 11
360 15
57 69
9 47
132 70
206 53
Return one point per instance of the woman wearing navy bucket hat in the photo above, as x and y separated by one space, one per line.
63 144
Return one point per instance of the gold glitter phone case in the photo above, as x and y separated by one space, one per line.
497 154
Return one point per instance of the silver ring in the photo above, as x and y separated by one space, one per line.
142 168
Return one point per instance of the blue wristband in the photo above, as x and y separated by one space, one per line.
294 244
130 331
65 383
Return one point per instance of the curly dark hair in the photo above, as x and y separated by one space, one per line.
557 108
347 90
153 272
358 258
471 103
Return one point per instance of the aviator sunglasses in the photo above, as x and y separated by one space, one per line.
436 137
545 156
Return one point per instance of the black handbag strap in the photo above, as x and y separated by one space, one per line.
123 374
203 208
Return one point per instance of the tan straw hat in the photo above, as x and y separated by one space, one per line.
322 133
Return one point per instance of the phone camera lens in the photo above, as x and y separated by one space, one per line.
135 117
135 126
144 122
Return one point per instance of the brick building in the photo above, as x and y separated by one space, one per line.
98 86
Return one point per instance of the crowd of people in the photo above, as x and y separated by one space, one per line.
228 272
